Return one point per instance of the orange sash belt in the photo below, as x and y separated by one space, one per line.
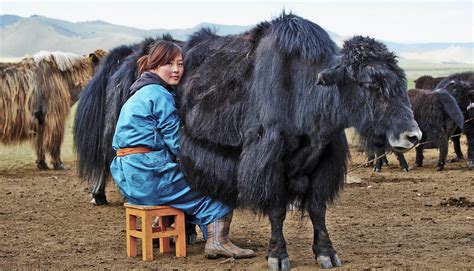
134 150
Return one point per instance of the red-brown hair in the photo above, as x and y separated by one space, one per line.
160 53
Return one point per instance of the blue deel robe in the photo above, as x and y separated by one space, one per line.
149 119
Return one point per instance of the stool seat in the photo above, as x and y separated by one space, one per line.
147 233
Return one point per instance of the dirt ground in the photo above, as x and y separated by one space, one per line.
392 219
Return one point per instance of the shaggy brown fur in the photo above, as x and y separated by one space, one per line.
35 99
427 82
16 90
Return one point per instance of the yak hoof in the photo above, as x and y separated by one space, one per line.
285 264
470 163
59 166
327 262
42 165
405 169
191 239
273 264
376 169
99 200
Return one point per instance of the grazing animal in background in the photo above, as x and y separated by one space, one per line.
264 114
438 115
36 95
427 82
461 86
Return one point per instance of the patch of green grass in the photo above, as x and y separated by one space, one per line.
23 155
416 69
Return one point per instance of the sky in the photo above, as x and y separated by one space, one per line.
404 21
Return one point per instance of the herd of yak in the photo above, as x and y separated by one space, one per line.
263 115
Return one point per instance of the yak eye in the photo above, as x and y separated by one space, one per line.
371 86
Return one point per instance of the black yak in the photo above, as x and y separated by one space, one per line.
437 114
429 82
264 114
461 86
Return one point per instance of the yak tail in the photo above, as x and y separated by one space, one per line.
89 122
451 107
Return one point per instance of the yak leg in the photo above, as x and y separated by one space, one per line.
54 144
469 130
384 160
55 152
191 234
443 152
322 246
370 159
419 156
98 191
402 161
39 148
380 160
457 146
277 254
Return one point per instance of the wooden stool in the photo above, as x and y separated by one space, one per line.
147 233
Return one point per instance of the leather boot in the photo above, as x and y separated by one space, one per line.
218 243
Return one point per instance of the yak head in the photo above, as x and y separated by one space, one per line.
373 92
463 92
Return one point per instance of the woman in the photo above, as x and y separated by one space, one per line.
147 143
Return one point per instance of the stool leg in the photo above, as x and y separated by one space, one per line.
131 224
147 241
181 238
164 241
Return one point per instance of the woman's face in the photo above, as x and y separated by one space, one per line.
172 71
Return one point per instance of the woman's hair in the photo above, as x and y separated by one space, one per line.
159 54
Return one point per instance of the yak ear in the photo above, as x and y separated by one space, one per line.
331 76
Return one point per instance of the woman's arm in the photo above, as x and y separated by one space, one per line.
168 123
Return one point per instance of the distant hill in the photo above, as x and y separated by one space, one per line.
25 36
8 19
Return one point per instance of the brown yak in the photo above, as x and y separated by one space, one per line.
36 95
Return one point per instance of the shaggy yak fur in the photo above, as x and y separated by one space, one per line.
427 82
438 115
461 86
264 114
36 95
